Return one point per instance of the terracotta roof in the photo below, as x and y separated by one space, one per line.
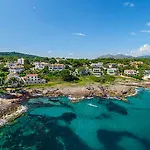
31 75
56 65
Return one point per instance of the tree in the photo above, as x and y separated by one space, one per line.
27 64
83 71
3 69
52 60
45 70
67 76
14 82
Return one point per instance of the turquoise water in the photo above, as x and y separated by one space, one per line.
61 125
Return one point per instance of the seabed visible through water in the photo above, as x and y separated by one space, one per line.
61 125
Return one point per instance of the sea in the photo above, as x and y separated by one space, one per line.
91 124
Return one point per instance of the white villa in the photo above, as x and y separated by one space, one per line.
33 79
40 65
20 61
146 77
16 69
97 72
131 72
97 65
56 67
112 71
112 66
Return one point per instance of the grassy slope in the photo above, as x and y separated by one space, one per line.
82 81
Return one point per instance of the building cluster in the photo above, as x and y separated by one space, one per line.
95 69
16 67
51 67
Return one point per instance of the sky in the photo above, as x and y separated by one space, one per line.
75 28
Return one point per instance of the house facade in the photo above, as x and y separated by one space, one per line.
56 67
16 69
20 61
97 72
40 65
146 77
131 72
112 71
84 71
97 65
33 79
112 65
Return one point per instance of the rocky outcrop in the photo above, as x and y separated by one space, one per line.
79 92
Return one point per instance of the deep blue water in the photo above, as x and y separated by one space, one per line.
61 125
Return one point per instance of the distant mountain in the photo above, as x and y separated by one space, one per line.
144 56
118 56
16 54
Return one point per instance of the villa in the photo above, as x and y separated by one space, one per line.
33 79
136 63
112 65
20 61
10 64
97 65
16 69
131 72
40 65
112 71
56 67
97 72
84 71
96 69
146 77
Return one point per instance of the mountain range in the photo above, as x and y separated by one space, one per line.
122 56
118 56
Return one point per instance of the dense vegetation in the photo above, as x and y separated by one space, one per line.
71 66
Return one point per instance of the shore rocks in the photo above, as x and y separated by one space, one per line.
80 92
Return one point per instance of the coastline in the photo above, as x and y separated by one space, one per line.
78 93
8 117
74 93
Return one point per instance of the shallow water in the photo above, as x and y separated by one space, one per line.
61 125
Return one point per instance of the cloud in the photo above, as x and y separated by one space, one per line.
79 34
143 50
133 33
49 52
148 24
128 4
145 31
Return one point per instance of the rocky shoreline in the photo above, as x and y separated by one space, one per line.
13 115
117 91
76 93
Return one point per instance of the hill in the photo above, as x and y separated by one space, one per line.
118 56
144 56
16 54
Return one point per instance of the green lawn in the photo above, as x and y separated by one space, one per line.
85 80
